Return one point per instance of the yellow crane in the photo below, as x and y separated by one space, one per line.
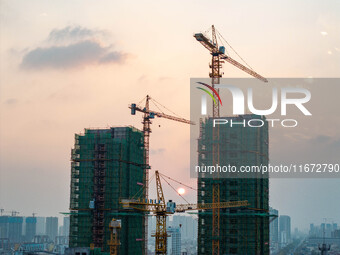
219 55
147 121
161 210
115 226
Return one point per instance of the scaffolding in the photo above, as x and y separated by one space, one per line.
106 165
241 231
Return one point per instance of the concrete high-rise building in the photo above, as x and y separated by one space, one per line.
15 229
152 229
187 225
328 231
195 229
274 228
52 227
61 230
11 227
31 228
335 226
285 230
41 225
4 226
174 241
240 231
107 165
312 230
66 226
322 230
336 233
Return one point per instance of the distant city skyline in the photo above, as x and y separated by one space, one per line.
26 228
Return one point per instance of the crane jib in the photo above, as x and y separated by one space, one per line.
213 48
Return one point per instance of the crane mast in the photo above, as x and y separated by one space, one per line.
115 226
148 115
217 59
215 74
215 79
161 235
146 136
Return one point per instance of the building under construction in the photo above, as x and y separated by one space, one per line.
11 228
239 230
107 165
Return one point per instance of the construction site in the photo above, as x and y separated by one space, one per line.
110 178
107 165
239 230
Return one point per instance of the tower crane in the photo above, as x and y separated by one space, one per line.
147 117
115 226
218 58
161 210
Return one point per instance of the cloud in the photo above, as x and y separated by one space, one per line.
74 33
71 56
11 101
317 149
325 143
72 47
320 140
112 57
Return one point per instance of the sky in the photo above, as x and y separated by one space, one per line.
70 65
